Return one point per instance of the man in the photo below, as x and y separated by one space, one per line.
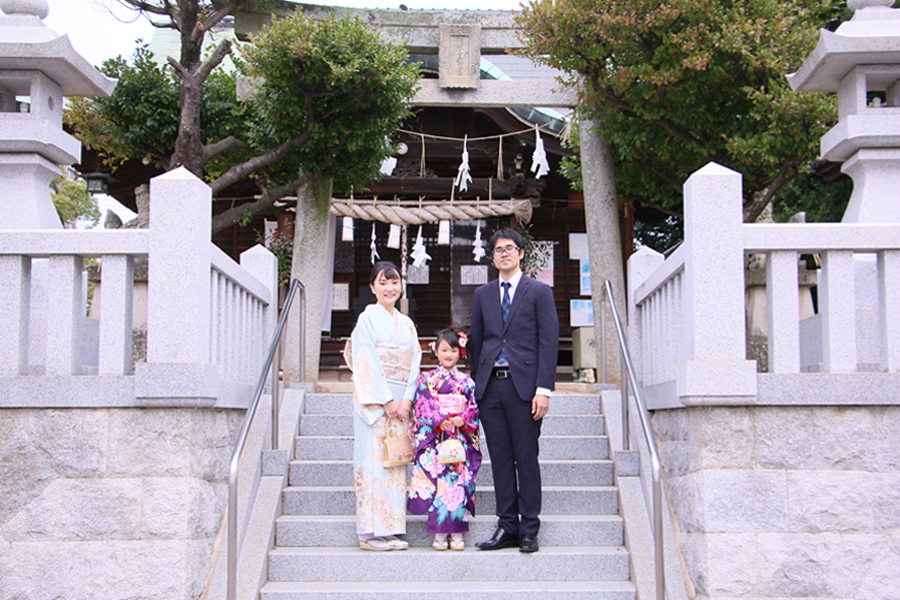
513 345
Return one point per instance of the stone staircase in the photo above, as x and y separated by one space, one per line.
581 557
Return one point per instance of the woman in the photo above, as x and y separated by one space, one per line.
385 358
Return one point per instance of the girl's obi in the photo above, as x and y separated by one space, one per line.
452 404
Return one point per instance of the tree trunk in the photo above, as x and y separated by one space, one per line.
601 215
310 266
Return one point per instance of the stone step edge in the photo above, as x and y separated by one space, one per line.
481 488
388 587
543 461
415 550
424 518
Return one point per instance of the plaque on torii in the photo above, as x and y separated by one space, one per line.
459 37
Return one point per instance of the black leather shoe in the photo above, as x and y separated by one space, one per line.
500 539
528 543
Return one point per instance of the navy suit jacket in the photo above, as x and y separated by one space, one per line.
531 336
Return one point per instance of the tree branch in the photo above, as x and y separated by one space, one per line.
755 208
266 201
224 145
218 55
221 13
147 7
177 66
241 171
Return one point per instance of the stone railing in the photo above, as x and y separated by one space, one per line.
208 318
687 311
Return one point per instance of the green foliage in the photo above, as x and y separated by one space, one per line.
281 244
73 202
140 119
537 253
678 83
329 95
823 202
338 83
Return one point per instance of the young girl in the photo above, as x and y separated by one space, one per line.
445 408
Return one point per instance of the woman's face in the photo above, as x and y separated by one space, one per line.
387 291
447 355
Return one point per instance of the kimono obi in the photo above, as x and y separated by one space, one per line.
395 363
452 404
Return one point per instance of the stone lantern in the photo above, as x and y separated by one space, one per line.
38 64
862 57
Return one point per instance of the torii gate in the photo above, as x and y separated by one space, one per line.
459 38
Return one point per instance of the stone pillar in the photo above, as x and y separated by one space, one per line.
601 215
178 311
310 266
716 368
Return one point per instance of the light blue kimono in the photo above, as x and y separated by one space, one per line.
380 492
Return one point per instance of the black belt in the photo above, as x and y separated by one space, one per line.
500 372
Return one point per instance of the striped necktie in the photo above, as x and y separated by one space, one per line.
504 314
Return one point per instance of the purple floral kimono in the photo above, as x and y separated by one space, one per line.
443 491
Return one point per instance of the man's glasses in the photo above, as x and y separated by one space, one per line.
505 250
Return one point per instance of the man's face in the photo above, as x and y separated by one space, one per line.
507 256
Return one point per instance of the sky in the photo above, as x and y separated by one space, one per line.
101 29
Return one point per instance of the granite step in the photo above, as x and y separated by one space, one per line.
556 530
350 564
342 404
328 424
553 472
557 500
455 590
558 447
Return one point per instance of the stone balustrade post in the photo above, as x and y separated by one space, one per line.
783 311
15 303
716 369
889 298
263 265
641 265
117 300
178 364
65 304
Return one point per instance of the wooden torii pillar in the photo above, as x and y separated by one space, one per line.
459 38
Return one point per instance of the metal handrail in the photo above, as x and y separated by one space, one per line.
630 379
238 454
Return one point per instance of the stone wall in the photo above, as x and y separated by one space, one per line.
111 503
786 502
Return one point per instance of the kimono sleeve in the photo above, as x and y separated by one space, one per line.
369 385
410 392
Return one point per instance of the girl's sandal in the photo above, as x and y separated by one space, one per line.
439 544
457 544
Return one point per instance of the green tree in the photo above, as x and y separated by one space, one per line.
328 96
678 83
73 202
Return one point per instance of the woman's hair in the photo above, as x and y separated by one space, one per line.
389 269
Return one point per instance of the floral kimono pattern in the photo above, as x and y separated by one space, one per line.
380 492
443 491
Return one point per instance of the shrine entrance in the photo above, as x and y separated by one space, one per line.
503 116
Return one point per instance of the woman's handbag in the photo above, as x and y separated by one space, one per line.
397 452
451 451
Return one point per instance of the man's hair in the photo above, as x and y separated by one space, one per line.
507 234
